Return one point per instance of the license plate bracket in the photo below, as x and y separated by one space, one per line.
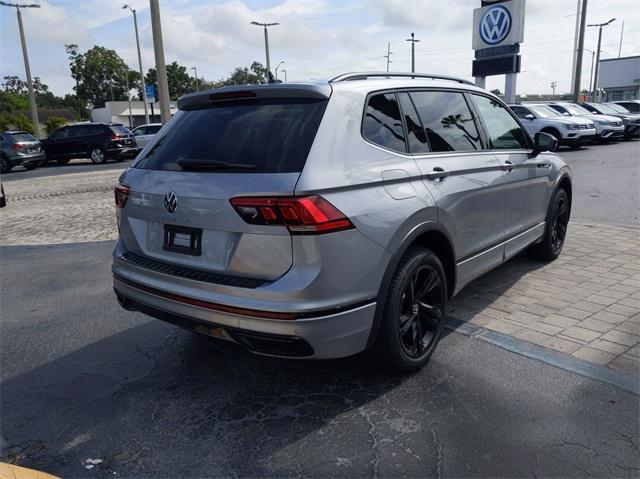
181 239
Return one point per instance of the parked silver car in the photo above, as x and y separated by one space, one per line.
567 130
145 133
607 127
322 219
19 148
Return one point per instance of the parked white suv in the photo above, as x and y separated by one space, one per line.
607 127
567 130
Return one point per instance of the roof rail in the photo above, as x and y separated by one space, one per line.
365 75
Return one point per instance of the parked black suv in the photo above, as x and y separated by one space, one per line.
96 141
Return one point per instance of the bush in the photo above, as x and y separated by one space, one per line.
53 123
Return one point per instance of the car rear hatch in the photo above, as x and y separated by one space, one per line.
26 144
235 142
122 137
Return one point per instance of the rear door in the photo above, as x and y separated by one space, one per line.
466 182
528 177
172 206
56 146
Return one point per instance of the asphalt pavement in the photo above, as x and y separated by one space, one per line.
52 169
606 182
83 379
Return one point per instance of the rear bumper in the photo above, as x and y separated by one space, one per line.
124 152
323 336
22 159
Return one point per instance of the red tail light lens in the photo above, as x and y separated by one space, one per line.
18 146
121 195
305 215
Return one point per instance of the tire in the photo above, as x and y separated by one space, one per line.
556 228
556 135
29 166
414 313
5 165
97 155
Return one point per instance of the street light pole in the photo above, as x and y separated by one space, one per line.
593 54
553 87
595 76
266 42
27 69
578 76
388 55
142 87
285 74
195 72
413 52
278 66
161 68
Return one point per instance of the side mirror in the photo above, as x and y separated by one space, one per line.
544 142
529 116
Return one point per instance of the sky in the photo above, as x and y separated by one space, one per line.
316 39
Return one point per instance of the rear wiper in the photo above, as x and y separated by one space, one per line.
203 164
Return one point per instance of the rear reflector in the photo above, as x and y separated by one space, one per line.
121 194
304 215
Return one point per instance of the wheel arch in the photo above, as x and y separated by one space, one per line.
431 235
553 131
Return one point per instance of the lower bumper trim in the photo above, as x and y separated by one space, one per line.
256 342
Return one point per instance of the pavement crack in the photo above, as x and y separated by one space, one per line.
440 455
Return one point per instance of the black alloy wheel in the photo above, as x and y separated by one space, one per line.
421 312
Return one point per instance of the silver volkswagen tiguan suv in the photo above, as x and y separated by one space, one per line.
322 219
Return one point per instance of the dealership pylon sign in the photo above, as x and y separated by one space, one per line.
498 30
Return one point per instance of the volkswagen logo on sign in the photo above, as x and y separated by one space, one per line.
495 25
170 201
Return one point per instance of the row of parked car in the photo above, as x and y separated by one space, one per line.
97 141
576 124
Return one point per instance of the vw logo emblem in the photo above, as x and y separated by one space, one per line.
170 201
495 25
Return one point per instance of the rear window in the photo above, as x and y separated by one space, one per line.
275 135
23 137
120 129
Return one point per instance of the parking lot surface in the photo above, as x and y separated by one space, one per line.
83 379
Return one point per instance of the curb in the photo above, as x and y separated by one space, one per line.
560 360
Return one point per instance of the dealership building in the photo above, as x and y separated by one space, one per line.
119 111
620 78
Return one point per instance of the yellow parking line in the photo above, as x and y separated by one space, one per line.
9 471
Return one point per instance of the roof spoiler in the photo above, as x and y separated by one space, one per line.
320 91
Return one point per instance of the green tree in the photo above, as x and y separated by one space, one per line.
253 75
53 123
100 74
11 101
180 83
13 84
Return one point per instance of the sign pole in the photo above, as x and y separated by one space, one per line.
481 82
510 87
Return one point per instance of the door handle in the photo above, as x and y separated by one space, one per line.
507 165
437 174
544 164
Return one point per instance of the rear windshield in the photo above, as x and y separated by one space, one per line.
275 135
119 129
23 137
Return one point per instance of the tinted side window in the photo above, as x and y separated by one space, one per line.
415 131
74 132
503 130
382 123
153 129
520 112
447 121
60 134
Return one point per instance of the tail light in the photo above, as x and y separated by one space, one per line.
121 194
304 215
18 146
